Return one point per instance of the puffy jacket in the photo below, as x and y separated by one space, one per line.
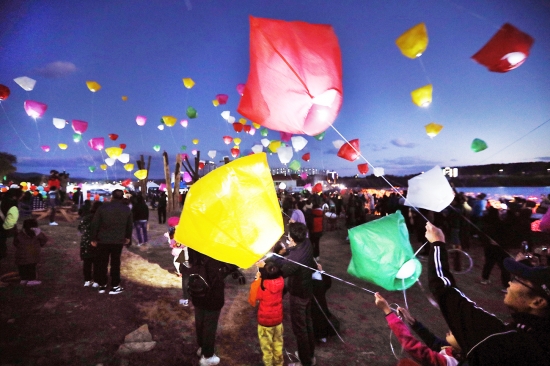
299 277
317 221
270 311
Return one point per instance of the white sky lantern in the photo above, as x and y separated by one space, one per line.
226 115
212 154
160 127
285 154
378 172
25 82
430 190
231 119
265 142
110 161
124 158
282 185
298 142
338 144
59 123
257 149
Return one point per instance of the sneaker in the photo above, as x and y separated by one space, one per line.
95 284
53 224
102 289
116 290
23 282
214 360
485 282
184 302
140 244
313 360
199 352
34 283
87 283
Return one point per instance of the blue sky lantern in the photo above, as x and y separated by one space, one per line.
382 254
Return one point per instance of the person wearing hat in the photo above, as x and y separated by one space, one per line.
484 338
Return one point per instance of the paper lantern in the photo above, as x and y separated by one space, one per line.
113 152
113 136
169 121
46 148
230 119
363 168
195 141
338 143
225 115
238 127
91 169
235 152
378 172
414 41
265 142
126 182
194 152
237 141
240 88
124 158
201 164
282 185
298 142
93 86
430 190
222 98
215 102
285 137
218 204
103 166
4 92
256 149
122 146
35 109
422 96
350 150
274 146
187 177
162 187
303 175
251 132
433 129
110 161
285 154
188 83
124 98
478 145
62 146
77 137
156 148
320 136
25 82
382 254
294 165
212 154
129 167
59 123
141 174
183 147
264 132
184 123
79 126
161 127
97 143
506 50
140 120
306 157
317 188
191 112
247 128
285 90
227 139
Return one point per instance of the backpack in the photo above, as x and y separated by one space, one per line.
200 281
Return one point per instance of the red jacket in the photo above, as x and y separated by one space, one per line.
317 220
270 312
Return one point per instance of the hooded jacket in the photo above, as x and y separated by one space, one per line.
299 277
270 311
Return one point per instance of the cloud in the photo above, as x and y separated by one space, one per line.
543 158
399 142
375 147
57 69
407 165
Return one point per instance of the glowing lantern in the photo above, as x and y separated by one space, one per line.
126 183
382 254
238 127
320 136
122 146
212 154
62 146
113 152
264 132
184 123
191 112
247 128
161 127
350 151
4 92
255 125
195 141
295 165
46 148
25 82
230 119
317 188
140 120
188 83
363 168
103 166
215 102
285 137
129 167
225 115
285 90
93 86
110 161
240 89
506 50
378 172
59 123
77 137
124 98
91 169
218 204
194 152
257 149
251 132
338 143
97 143
430 190
303 175
298 143
414 41
169 121
285 154
478 145
187 177
433 129
201 164
237 141
124 158
422 97
35 109
156 148
222 98
265 142
306 157
227 139
242 121
282 185
79 126
141 174
235 152
274 146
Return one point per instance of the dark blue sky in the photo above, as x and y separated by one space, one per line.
143 49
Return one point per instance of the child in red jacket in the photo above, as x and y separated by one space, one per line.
270 314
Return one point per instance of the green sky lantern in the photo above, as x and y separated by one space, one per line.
183 147
478 145
295 165
264 132
91 168
77 137
156 148
191 112
320 136
382 254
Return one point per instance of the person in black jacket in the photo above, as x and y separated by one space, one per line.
162 208
483 338
111 230
140 213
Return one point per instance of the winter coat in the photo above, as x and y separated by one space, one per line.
485 339
317 221
112 223
270 311
27 248
86 248
215 298
140 212
299 278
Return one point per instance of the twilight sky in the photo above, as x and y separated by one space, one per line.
143 49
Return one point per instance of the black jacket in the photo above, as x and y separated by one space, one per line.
140 212
299 278
112 223
485 339
215 270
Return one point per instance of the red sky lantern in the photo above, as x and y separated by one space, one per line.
113 136
247 128
285 136
201 164
285 90
350 150
506 50
318 188
222 98
237 126
235 152
122 146
306 157
363 168
126 183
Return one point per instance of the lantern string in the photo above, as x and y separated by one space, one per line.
37 132
475 15
173 138
328 320
405 294
14 130
103 160
419 249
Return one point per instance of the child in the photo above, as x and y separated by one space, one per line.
88 253
181 258
420 352
27 253
270 314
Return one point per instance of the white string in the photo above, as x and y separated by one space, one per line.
328 320
14 130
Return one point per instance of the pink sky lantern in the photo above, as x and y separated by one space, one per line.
162 187
240 88
506 50
187 177
184 123
350 150
303 175
222 98
140 120
46 148
285 90
285 136
35 109
194 152
97 143
79 126
252 131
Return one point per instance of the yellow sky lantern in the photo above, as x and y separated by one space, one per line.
93 86
124 98
215 102
422 97
62 146
256 125
169 120
141 174
414 41
433 129
242 121
129 167
237 141
103 166
274 146
188 83
113 152
195 141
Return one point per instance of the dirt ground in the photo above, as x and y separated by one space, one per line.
63 323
